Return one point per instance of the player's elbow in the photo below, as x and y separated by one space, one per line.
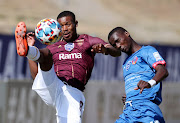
116 54
166 73
33 76
162 70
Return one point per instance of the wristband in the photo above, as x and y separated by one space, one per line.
33 53
152 82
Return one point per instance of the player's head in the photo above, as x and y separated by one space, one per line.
120 39
69 23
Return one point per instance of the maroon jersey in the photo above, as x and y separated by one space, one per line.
74 60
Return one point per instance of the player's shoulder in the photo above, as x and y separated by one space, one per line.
84 36
148 48
87 36
60 42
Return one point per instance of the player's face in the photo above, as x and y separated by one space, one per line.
121 41
68 28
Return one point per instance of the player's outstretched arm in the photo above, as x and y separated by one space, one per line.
32 64
161 73
100 46
112 51
43 56
106 49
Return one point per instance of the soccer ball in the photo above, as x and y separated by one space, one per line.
48 31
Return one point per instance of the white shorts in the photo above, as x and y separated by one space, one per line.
68 101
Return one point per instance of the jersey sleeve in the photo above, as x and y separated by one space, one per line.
152 57
96 40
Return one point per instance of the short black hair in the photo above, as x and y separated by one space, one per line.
67 13
117 29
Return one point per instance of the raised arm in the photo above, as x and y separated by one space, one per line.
32 64
100 46
106 49
45 57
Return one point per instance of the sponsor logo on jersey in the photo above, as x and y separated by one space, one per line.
63 56
157 56
69 46
134 60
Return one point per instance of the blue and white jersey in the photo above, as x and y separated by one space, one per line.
141 66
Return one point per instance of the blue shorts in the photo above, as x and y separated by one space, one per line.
141 111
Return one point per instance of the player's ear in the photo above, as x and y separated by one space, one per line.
127 33
76 23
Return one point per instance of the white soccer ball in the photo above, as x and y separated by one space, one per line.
48 31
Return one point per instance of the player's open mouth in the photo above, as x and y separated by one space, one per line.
66 35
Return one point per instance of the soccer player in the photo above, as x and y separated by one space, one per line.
64 68
143 71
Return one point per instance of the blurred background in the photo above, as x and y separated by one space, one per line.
150 22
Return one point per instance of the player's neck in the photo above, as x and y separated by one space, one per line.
75 37
135 47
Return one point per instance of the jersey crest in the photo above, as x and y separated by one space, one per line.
69 46
134 60
80 42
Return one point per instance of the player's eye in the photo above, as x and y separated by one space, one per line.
115 42
68 24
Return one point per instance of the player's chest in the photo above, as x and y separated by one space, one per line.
70 51
133 64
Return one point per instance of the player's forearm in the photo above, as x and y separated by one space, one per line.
33 68
112 51
161 73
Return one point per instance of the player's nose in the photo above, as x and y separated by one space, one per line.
118 46
64 28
